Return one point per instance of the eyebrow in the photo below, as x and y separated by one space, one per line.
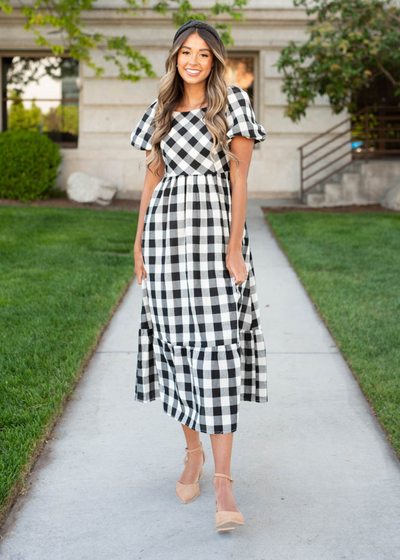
186 47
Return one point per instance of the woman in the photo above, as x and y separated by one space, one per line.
201 348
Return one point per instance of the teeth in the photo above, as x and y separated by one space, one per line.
193 72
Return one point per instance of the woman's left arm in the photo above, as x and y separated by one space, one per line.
243 148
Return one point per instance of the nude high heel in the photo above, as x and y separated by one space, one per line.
188 492
227 520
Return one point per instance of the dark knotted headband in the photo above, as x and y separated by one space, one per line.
197 23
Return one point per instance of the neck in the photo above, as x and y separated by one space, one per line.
194 94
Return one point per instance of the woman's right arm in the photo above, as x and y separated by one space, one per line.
150 183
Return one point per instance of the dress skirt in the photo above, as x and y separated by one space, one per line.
201 347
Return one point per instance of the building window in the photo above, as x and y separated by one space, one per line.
241 72
42 93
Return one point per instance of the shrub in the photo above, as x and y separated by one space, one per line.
29 164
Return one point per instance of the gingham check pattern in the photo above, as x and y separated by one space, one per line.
201 348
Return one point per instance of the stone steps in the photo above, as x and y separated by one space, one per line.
341 189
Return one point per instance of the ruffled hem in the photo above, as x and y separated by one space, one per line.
184 419
250 349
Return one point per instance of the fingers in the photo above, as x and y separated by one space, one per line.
140 271
238 269
240 278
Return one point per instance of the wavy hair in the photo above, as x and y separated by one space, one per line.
170 93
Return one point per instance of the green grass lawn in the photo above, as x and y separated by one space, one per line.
62 273
350 266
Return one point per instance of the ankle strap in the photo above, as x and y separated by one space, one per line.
225 476
191 450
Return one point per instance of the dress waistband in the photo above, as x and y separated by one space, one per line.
223 174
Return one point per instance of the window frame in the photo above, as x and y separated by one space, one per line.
240 53
9 53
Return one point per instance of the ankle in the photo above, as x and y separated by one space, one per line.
222 474
194 451
222 483
195 454
194 447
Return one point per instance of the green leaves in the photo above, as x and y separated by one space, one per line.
30 165
65 16
5 6
350 44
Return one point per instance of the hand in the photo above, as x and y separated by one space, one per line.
139 266
236 265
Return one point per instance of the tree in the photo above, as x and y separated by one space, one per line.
20 118
27 70
64 118
65 17
351 44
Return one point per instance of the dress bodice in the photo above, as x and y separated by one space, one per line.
186 148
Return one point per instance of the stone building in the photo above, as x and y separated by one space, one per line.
108 108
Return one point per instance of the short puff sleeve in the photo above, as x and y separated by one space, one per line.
241 118
141 136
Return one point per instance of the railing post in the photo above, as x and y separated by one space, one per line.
366 133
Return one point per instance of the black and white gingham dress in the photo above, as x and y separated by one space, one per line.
201 348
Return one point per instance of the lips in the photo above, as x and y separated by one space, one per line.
192 72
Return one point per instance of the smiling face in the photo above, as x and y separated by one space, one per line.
195 59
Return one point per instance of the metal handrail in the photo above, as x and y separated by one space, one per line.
368 131
331 152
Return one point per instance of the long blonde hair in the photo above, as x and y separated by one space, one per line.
170 93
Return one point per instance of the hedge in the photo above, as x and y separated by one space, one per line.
29 163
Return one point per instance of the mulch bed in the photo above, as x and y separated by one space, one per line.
355 209
64 202
134 205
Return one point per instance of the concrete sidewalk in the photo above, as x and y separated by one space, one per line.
316 478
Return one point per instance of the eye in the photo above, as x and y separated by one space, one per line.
203 54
